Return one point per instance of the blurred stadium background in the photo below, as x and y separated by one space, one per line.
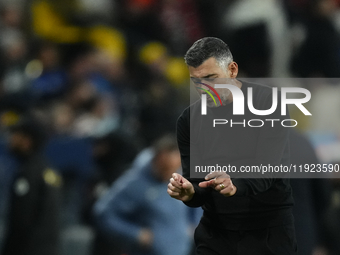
106 78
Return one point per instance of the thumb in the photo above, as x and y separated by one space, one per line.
186 185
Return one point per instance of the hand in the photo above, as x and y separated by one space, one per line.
145 238
221 182
180 188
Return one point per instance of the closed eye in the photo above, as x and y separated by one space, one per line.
195 80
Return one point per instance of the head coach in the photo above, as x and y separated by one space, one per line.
242 216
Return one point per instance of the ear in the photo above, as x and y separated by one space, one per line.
233 69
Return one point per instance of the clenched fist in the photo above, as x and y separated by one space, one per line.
180 188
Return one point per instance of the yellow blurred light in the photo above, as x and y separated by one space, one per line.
109 40
34 69
177 71
152 52
9 118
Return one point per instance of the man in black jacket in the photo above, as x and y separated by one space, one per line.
33 226
241 215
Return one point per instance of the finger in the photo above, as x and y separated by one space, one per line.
207 184
229 191
172 193
204 184
177 177
215 175
222 183
219 180
225 181
173 188
175 183
220 187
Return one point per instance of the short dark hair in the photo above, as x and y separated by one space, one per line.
208 47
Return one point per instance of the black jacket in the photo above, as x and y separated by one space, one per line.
258 202
33 225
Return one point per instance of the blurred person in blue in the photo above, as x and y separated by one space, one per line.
49 76
138 211
32 224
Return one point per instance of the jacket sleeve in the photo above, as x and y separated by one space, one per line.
183 140
114 210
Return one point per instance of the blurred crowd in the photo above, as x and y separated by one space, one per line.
88 88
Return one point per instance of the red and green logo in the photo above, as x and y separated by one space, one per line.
212 89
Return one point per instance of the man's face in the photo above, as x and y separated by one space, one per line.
167 163
206 73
